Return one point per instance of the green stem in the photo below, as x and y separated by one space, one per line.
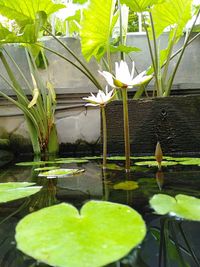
126 128
92 77
181 55
120 29
104 136
151 52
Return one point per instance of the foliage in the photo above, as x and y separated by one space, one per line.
39 112
101 233
60 173
182 206
171 15
16 190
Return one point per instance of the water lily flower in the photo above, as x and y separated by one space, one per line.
123 77
101 99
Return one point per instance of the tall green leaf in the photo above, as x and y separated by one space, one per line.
175 13
140 5
97 25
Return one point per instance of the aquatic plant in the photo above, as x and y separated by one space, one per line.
101 100
16 190
102 232
170 15
123 80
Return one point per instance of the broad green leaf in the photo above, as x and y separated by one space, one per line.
127 185
96 28
140 5
102 232
154 163
124 49
183 206
60 173
175 13
30 16
14 190
26 10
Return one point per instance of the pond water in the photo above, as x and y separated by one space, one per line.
169 241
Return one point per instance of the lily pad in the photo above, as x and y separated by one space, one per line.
60 173
101 233
191 161
116 158
47 168
14 190
127 185
155 164
183 206
92 157
114 167
34 163
70 160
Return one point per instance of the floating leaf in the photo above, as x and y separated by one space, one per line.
155 164
46 168
14 190
92 157
139 169
127 185
34 163
114 167
101 233
191 161
116 158
182 206
60 173
68 160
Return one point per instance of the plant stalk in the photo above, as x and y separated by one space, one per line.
126 129
104 136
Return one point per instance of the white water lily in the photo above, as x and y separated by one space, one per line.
123 78
101 99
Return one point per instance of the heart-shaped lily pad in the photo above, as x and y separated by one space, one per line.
60 173
60 236
183 206
14 190
46 168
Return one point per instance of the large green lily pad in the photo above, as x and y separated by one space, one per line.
60 236
183 206
34 163
60 173
16 190
155 164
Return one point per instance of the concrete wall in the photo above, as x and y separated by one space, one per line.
75 123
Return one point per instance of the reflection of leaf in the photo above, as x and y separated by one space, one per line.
183 206
59 173
127 185
101 233
154 163
11 191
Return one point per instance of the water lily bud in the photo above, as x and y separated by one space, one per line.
158 154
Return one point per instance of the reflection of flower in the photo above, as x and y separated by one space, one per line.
123 78
101 99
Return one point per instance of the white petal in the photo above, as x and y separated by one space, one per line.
108 76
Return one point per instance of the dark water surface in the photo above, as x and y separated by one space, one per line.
169 242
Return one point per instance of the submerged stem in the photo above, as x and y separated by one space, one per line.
104 136
126 128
